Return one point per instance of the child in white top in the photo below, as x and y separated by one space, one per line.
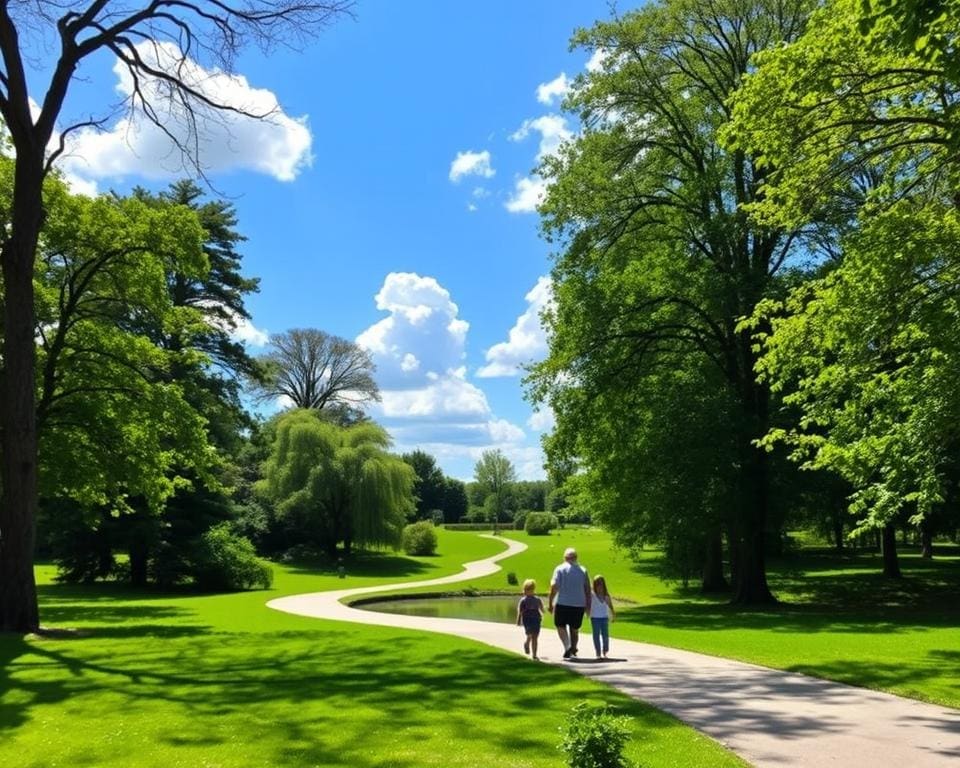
601 614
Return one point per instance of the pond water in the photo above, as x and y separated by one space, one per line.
498 608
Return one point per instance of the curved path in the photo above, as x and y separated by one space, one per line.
768 717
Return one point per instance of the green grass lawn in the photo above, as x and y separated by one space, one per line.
182 680
840 619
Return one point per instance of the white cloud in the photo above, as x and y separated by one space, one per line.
275 144
528 191
597 59
448 396
553 132
427 401
471 163
245 331
555 90
472 207
526 341
527 194
542 420
423 325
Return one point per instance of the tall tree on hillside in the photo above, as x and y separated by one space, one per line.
152 42
313 369
495 474
659 259
338 484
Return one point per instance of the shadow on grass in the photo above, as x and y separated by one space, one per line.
364 564
288 691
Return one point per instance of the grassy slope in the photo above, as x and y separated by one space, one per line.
840 619
177 680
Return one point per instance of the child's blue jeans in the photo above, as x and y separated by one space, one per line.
601 631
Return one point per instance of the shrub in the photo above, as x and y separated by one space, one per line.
225 561
540 523
512 578
520 521
595 738
420 538
468 526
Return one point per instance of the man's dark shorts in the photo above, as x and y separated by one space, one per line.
567 616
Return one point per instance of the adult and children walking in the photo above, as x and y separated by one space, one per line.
571 596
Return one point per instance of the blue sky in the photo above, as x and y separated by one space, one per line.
391 200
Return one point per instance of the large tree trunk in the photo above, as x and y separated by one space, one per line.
891 563
18 430
713 579
751 587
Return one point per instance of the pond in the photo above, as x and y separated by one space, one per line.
498 608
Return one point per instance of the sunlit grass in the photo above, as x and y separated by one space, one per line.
839 619
154 679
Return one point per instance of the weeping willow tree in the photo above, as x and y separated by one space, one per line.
335 484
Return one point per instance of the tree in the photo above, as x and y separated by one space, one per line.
865 352
455 504
152 42
659 259
313 369
430 486
869 355
338 484
495 474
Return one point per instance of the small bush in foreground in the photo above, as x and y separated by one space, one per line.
595 738
420 538
540 523
225 561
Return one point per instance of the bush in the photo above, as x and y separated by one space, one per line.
420 538
540 523
468 526
595 738
520 521
225 561
512 579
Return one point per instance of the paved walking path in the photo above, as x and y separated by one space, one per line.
768 717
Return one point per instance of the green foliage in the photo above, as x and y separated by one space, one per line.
495 474
595 737
420 538
870 354
455 503
657 262
225 561
430 486
540 523
337 484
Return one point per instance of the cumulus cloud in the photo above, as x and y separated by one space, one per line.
246 332
423 326
426 399
597 60
528 192
553 132
542 420
555 90
270 142
526 341
471 163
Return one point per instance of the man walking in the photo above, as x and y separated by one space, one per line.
570 586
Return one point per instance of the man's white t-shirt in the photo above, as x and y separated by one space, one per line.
572 582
